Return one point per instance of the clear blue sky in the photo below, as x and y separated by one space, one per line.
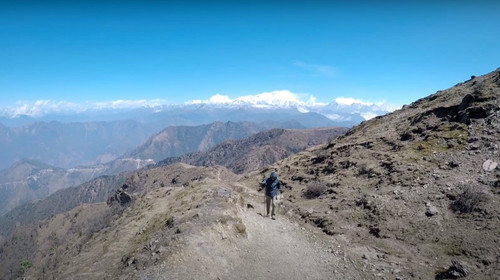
396 51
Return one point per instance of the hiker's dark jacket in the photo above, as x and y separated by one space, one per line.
272 185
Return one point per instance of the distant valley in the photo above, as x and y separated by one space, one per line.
29 179
69 145
100 137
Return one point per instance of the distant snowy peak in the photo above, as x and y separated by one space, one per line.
339 109
342 106
278 98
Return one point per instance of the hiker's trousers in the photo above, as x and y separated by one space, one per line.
271 203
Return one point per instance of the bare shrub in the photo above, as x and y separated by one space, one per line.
364 170
315 189
469 200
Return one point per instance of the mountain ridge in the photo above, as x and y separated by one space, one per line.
399 196
298 140
71 144
259 150
24 181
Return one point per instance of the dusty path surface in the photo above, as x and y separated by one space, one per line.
285 249
269 249
262 249
281 249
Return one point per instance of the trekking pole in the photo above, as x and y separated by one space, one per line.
265 208
261 187
280 197
264 212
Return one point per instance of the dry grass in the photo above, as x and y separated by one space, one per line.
469 200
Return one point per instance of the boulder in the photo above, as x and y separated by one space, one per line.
431 210
120 196
124 198
455 271
489 165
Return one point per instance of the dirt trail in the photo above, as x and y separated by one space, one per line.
284 249
268 249
280 249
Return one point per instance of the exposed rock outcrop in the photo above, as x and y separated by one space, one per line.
120 197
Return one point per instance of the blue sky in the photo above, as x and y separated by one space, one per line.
396 51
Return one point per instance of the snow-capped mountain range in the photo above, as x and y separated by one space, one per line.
341 111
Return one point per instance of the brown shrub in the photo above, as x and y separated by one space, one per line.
315 190
469 200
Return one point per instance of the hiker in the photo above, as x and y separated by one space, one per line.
272 185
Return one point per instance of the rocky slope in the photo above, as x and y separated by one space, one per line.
398 197
414 189
201 224
259 150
